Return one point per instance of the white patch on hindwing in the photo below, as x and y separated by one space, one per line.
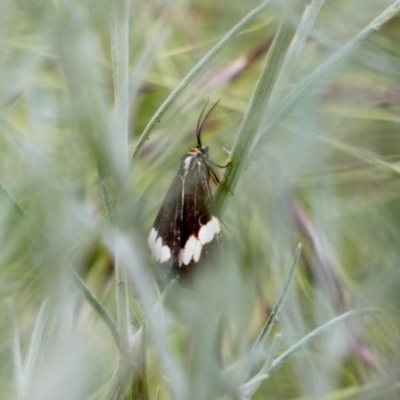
209 230
194 245
160 252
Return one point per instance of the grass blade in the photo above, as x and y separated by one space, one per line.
193 73
319 331
323 71
253 116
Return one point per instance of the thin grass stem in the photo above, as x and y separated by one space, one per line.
319 331
254 113
193 73
323 71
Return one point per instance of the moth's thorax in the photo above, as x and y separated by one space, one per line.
198 153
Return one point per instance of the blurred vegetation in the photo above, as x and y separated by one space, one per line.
315 160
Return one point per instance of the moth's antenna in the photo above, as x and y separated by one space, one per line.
200 123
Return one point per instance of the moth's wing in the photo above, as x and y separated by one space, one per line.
165 236
200 223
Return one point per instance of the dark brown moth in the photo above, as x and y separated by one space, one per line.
187 220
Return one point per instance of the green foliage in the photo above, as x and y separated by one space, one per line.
99 101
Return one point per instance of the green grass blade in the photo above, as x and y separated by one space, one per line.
16 347
325 70
319 331
10 198
120 67
255 111
251 386
274 314
37 346
193 73
296 48
97 306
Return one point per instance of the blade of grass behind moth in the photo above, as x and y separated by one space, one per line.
295 49
124 373
97 306
106 194
256 355
120 67
175 375
320 73
11 199
142 64
37 346
120 62
255 110
90 297
123 310
251 386
15 347
278 80
364 155
319 331
120 382
272 318
193 73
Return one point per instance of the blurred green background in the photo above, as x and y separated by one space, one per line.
80 81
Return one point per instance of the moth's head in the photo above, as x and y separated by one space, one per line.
203 150
199 151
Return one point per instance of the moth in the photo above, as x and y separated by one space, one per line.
187 220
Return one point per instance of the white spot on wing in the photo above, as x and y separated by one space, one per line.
209 230
197 250
165 254
217 226
152 238
159 251
191 251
